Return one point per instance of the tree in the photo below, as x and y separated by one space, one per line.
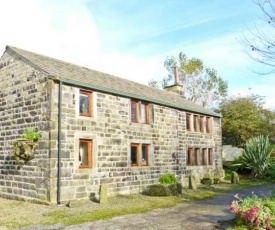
201 84
244 118
261 45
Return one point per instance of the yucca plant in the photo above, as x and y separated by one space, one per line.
256 155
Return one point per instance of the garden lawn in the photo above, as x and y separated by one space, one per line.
15 214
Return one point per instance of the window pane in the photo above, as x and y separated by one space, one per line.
144 159
202 124
133 111
197 153
143 113
188 121
194 158
189 156
204 157
208 125
134 155
83 153
196 123
84 104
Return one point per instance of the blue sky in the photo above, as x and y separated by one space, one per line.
132 38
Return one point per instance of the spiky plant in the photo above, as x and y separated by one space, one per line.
256 155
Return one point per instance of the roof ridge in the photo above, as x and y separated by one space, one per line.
72 64
94 79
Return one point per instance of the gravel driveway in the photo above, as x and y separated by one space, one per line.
191 215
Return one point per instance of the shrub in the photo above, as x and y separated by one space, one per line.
256 156
167 179
254 212
31 135
23 149
270 174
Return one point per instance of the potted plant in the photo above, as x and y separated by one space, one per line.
24 147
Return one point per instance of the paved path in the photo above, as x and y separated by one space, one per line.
187 216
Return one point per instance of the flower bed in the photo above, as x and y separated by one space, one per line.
254 212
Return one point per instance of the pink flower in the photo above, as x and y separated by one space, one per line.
251 214
267 220
257 222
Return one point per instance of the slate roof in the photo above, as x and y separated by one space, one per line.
95 80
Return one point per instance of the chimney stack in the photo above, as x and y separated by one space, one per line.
177 88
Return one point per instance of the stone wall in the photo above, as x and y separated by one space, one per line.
29 99
24 96
112 132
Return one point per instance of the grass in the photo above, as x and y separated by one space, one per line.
119 205
16 214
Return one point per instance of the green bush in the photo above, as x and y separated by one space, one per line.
270 174
256 156
31 135
167 179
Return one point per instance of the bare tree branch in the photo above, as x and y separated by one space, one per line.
260 46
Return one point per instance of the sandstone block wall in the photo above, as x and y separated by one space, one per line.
24 103
29 99
112 133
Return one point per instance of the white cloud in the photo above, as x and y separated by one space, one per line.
65 31
139 69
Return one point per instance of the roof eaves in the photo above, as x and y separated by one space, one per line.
129 95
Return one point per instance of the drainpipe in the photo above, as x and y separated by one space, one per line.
59 141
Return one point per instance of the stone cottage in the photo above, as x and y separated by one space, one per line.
97 129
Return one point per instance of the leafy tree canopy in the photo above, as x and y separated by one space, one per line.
245 117
201 84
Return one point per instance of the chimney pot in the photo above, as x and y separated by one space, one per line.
176 75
